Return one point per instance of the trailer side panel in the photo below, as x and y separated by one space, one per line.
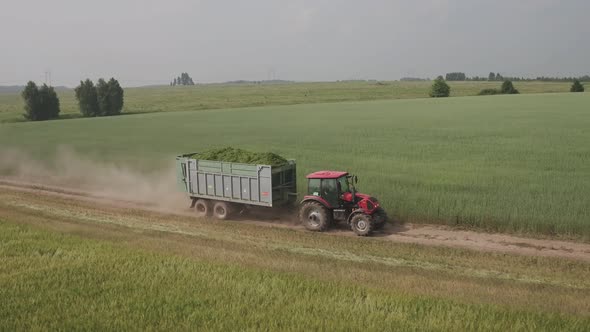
260 185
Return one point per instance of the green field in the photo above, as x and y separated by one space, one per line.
215 96
74 265
517 163
501 163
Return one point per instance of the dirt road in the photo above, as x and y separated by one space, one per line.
433 235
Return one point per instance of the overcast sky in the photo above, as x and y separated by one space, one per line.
144 42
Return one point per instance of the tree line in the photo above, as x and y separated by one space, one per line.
459 76
103 99
40 103
183 79
440 88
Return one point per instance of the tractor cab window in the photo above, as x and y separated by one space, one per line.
313 187
330 191
343 184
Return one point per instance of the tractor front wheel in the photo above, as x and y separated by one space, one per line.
314 216
362 224
379 218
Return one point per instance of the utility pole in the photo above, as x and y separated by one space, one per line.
272 75
48 77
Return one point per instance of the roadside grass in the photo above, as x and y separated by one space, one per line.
546 284
217 96
63 267
502 163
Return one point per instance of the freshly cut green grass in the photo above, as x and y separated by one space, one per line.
52 281
215 96
236 155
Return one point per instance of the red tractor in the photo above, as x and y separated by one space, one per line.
332 197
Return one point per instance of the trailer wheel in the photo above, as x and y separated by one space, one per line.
380 218
314 216
362 224
202 208
221 210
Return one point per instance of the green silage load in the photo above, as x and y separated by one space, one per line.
235 155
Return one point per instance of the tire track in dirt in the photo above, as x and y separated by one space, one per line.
422 234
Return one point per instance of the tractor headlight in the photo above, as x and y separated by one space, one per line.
374 201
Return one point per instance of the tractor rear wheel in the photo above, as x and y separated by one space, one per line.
379 218
221 210
362 224
314 216
202 208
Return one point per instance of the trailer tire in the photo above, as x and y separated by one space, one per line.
362 224
379 218
202 208
221 210
314 216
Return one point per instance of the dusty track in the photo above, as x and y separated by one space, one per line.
434 235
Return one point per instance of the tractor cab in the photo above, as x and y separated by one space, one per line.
328 186
332 196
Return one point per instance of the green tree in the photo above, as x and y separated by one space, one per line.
491 77
183 79
49 102
577 86
499 77
508 88
102 95
487 92
106 98
116 97
87 98
32 103
40 104
456 76
440 88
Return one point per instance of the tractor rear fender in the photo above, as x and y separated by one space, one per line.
316 199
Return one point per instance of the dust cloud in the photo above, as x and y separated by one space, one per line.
68 169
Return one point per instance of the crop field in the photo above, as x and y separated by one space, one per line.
216 96
514 164
78 264
501 163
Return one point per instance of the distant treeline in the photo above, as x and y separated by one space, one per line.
585 78
183 79
410 79
258 82
459 76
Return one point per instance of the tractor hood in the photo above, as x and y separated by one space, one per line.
365 202
359 197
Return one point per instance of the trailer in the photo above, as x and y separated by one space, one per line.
220 188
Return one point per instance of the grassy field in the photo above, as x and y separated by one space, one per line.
67 264
500 163
215 96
